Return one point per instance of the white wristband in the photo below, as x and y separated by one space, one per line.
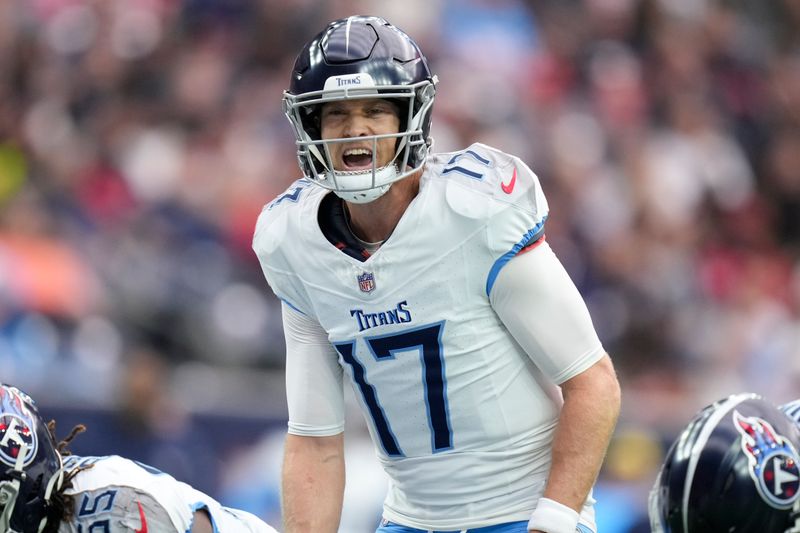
553 517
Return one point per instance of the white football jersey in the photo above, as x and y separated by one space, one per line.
793 410
117 495
455 408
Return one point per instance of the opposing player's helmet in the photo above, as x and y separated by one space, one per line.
30 465
734 469
355 58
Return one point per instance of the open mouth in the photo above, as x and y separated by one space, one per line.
357 158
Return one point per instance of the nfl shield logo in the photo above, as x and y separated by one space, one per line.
366 282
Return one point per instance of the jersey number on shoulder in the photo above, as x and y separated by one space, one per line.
292 196
96 504
101 526
473 156
427 342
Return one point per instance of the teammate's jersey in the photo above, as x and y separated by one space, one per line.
792 409
459 420
117 495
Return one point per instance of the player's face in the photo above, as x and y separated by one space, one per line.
353 119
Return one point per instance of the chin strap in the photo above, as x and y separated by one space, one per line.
54 483
9 491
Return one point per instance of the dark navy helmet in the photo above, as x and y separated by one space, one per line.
30 466
355 58
734 469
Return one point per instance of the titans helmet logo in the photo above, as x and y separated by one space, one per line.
773 461
16 434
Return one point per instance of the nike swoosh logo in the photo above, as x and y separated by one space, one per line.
142 518
508 187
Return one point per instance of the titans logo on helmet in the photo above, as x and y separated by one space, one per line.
15 433
773 461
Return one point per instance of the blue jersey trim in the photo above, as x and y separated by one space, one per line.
287 302
200 506
532 236
508 527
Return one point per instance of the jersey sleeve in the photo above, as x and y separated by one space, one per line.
116 495
133 497
142 512
518 212
541 307
314 378
273 229
223 519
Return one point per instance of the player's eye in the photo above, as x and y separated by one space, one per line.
377 110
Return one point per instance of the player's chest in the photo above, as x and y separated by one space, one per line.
400 286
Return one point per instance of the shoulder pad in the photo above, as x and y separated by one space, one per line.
481 172
271 225
281 223
793 410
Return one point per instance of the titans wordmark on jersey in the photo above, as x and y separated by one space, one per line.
453 403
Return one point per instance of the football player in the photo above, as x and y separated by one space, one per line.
734 468
426 279
44 489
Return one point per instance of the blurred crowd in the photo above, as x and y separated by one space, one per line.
140 139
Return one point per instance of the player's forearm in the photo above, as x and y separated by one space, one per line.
313 484
587 420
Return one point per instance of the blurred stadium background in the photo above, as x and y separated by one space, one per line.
139 140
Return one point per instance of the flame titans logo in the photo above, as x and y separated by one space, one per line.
772 459
14 434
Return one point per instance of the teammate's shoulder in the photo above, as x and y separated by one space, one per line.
481 172
108 467
85 462
792 409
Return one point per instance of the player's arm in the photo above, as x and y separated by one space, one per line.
201 523
585 425
312 479
541 307
313 483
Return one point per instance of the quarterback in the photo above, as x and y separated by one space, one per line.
426 280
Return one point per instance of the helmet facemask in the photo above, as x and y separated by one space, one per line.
10 498
361 186
9 490
795 526
31 467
